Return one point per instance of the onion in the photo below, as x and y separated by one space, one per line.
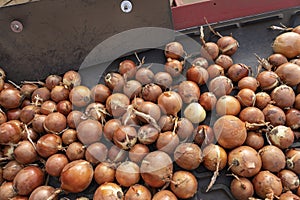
76 176
200 62
246 97
184 184
75 151
100 93
114 81
249 83
48 145
42 192
71 79
293 118
151 92
289 73
268 80
197 74
173 67
27 179
137 192
10 115
96 111
138 152
156 169
47 107
104 173
170 103
40 95
267 185
244 161
195 113
127 68
288 44
241 188
149 108
108 191
281 136
254 116
174 50
25 152
288 196
38 123
125 137
96 152
55 164
208 101
188 156
74 118
166 123
144 76
189 91
277 59
7 191
237 71
212 155
10 170
80 96
52 81
283 96
209 50
290 180
59 93
228 127
272 158
116 104
228 45
10 98
203 135
184 128
220 86
274 115
10 133
55 123
297 102
110 127
164 195
224 61
215 70
132 88
167 142
115 154
228 105
147 134
255 140
262 99
163 79
64 107
293 160
27 90
89 131
128 174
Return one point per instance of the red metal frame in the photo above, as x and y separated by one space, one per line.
191 15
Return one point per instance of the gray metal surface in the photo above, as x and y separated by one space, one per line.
53 36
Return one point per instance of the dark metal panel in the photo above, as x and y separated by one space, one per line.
58 34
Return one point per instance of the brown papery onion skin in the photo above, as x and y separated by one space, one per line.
289 179
188 156
255 140
293 159
80 96
156 168
228 45
200 62
174 50
283 96
116 104
268 80
262 99
211 157
76 176
104 173
10 170
137 192
127 174
277 59
108 191
189 91
244 161
265 183
170 103
272 157
220 86
127 68
208 101
42 192
237 71
173 67
210 50
27 179
89 131
197 74
274 115
55 164
248 82
241 188
289 73
228 127
289 196
288 44
164 195
224 61
228 105
281 136
184 184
